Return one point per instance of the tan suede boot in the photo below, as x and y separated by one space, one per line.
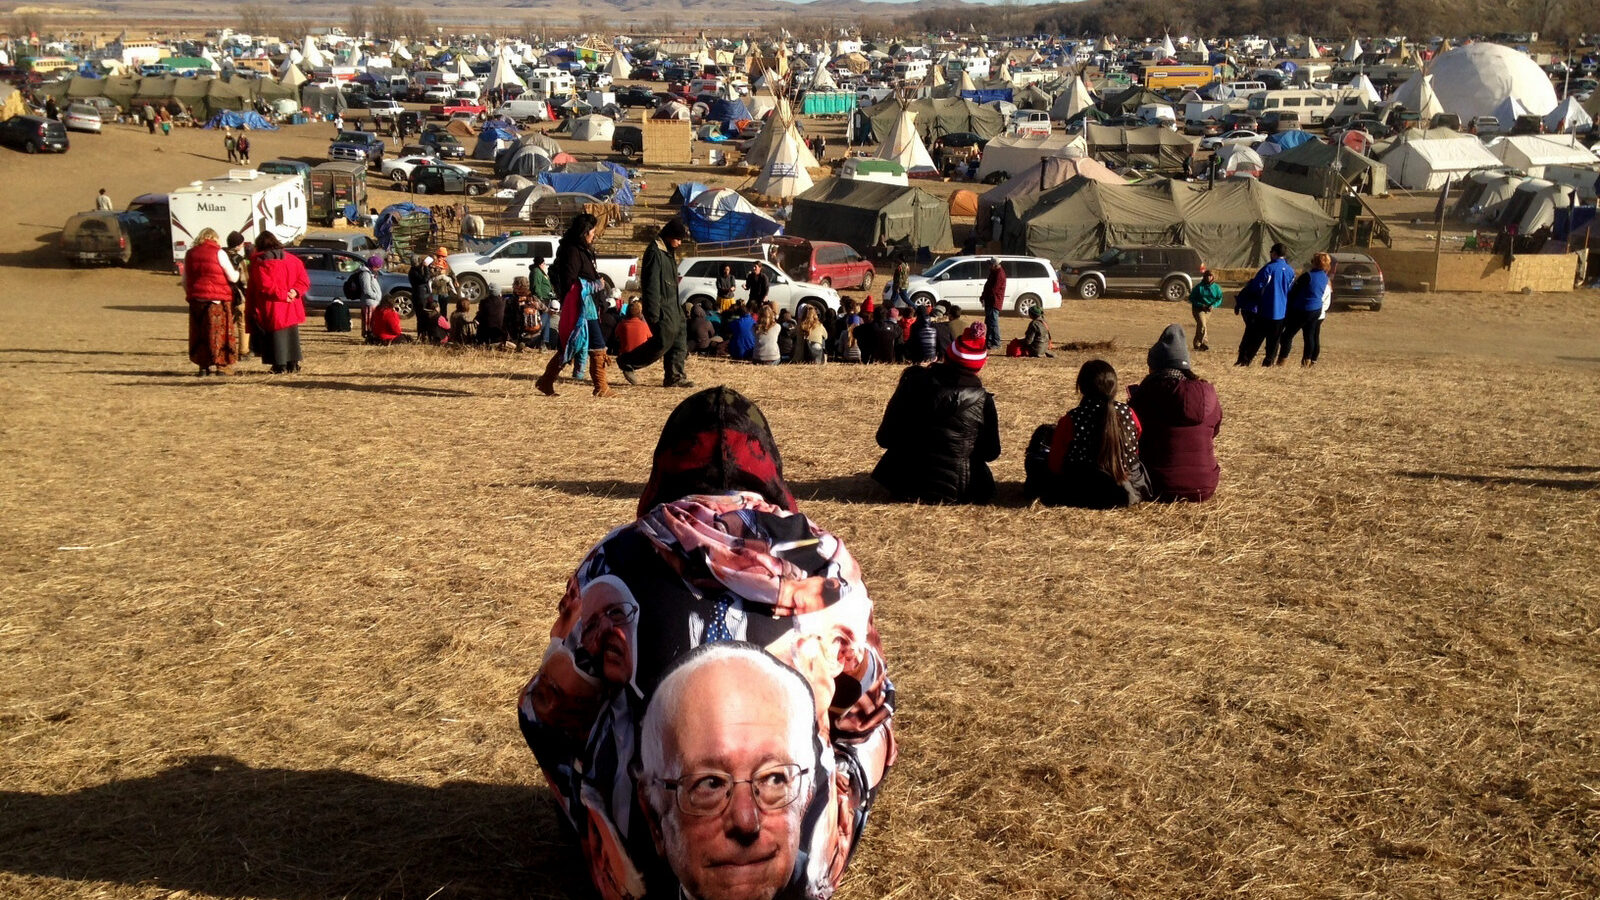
597 372
547 382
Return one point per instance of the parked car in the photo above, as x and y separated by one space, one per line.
1356 279
958 282
1202 127
1276 120
359 243
385 109
481 271
361 146
81 117
1166 270
1239 121
627 140
1483 125
119 238
108 110
637 96
443 144
697 283
442 180
828 263
554 211
34 133
329 269
1238 136
156 208
400 168
962 139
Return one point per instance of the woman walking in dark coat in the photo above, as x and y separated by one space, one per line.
574 277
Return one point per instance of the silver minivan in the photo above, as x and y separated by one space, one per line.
524 110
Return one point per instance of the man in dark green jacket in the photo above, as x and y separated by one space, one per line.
669 331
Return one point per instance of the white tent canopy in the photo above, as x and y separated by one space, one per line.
593 128
1569 116
1425 164
1239 159
503 74
1531 153
1508 111
904 146
1012 153
1352 51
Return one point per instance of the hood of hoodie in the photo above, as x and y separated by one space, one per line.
716 442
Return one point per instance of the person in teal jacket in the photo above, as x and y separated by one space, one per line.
1203 298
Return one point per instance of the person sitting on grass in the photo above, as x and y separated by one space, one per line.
940 430
385 325
742 334
1090 458
463 329
1036 340
1180 417
632 332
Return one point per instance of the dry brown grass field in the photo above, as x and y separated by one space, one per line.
261 636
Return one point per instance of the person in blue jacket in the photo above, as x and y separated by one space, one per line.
1268 292
1308 306
742 335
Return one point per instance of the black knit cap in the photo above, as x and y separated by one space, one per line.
674 230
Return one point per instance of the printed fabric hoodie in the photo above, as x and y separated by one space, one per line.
717 547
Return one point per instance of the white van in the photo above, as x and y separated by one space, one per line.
1313 107
958 281
524 110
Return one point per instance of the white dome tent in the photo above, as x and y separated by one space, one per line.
1472 81
593 128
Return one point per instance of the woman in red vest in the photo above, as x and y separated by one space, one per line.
208 279
275 304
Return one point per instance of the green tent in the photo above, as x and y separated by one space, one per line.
939 117
863 213
193 93
1307 169
1128 102
1232 223
1151 146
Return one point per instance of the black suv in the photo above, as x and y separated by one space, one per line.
637 96
34 133
627 140
1170 271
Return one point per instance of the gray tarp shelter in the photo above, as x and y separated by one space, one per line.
1129 101
1307 169
1149 146
1232 223
936 118
861 213
322 100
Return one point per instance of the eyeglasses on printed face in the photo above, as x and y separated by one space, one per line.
708 793
621 614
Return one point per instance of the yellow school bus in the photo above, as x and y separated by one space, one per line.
1159 78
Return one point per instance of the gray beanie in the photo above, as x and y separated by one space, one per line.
1171 351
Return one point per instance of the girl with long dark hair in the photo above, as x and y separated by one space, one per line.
576 279
1092 458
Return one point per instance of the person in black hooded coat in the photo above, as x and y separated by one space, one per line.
941 430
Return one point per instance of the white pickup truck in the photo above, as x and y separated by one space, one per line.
479 272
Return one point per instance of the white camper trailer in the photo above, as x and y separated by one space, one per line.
244 200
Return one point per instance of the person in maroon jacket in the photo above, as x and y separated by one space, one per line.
1181 416
994 300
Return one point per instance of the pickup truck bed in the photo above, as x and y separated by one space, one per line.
446 110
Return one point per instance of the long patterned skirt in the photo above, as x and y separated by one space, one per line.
212 340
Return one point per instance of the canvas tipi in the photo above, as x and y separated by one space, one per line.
904 146
784 175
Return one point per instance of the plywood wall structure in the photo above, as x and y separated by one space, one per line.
667 142
1483 273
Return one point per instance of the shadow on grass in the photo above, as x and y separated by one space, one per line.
27 350
216 826
160 308
294 382
854 488
1560 484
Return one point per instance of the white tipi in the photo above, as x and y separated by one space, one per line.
618 68
1352 51
823 80
311 55
904 146
783 174
503 74
1167 50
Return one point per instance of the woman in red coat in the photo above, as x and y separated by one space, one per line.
1181 417
208 279
275 304
385 324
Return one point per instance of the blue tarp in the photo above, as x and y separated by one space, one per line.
1289 140
249 119
728 114
382 231
685 192
492 133
987 96
605 185
733 226
1572 220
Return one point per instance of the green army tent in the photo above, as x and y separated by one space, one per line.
1307 169
863 213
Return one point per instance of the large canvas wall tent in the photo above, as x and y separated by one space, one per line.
1025 187
1321 170
1425 160
865 213
1232 223
1149 146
